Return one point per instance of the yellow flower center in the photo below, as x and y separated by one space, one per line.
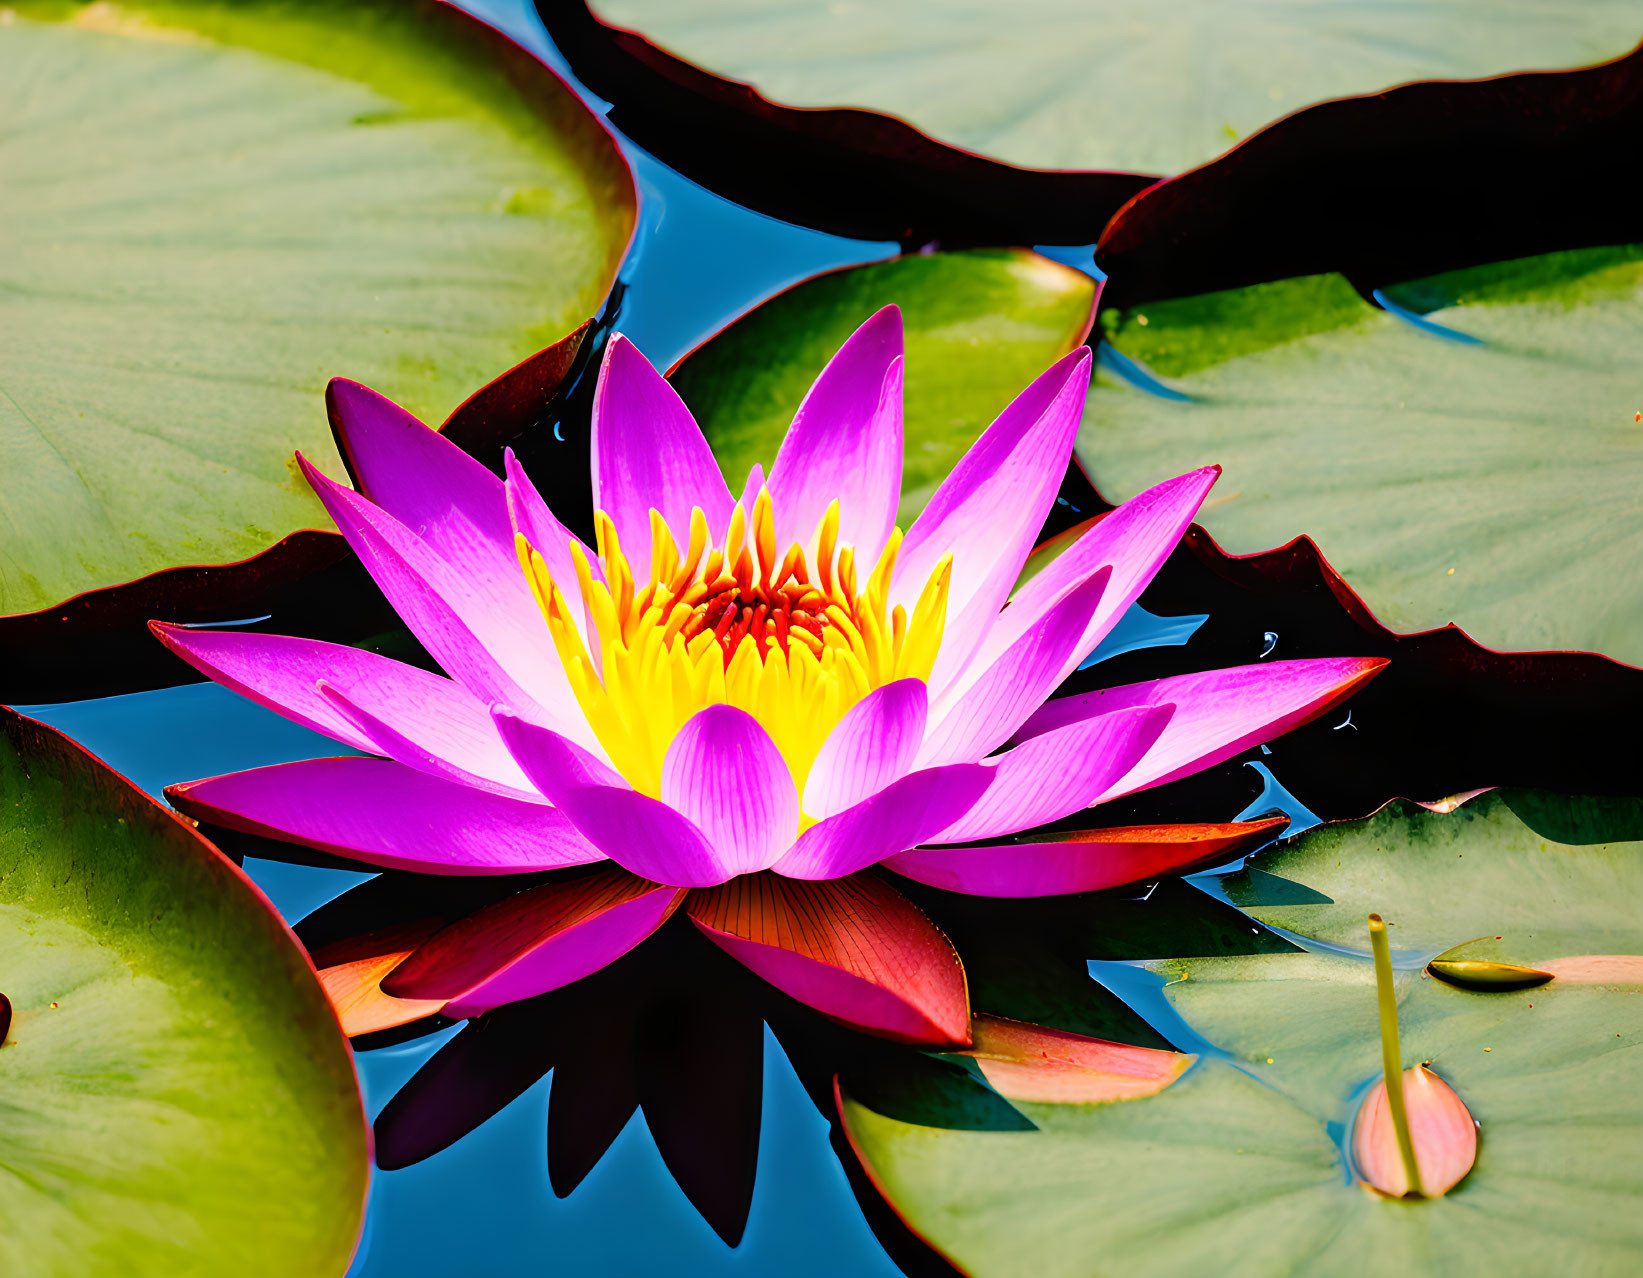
733 625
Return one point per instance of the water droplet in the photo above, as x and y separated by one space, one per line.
1270 638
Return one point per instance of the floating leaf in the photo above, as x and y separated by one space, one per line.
979 327
1424 466
220 206
178 1093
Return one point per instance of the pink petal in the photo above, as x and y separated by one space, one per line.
1059 773
1080 860
386 739
989 510
351 973
1441 1128
1134 541
439 716
530 518
854 949
845 444
873 745
1050 1066
1218 713
648 453
533 942
724 774
387 814
903 814
638 832
1596 969
979 715
497 653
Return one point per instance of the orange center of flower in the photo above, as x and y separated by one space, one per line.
732 623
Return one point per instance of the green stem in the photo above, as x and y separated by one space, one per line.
1391 1054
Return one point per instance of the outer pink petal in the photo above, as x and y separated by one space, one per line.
538 940
648 453
497 653
1441 1129
1218 713
387 814
1080 861
530 518
981 713
281 672
854 949
845 443
503 775
988 511
638 832
1059 773
873 745
1134 541
898 817
724 774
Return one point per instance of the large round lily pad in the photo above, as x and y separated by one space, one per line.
176 1096
1118 84
980 326
1238 1169
1492 483
211 209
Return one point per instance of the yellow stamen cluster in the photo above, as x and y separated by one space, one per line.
734 625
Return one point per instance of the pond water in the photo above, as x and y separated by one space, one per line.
484 1205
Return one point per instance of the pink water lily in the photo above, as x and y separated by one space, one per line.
739 705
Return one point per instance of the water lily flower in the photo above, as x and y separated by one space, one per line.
738 705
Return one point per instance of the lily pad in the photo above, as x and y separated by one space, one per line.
1238 1168
1442 880
177 1094
1114 85
979 327
1491 482
220 206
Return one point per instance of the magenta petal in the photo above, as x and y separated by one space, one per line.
873 745
639 833
724 774
1134 541
1080 860
387 814
1059 773
990 509
896 818
1218 713
845 444
532 520
649 453
281 672
979 715
533 942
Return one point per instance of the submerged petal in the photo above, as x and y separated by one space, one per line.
384 813
648 453
1218 713
854 949
1035 1063
845 444
988 511
900 816
1080 860
725 775
1441 1128
535 941
1059 773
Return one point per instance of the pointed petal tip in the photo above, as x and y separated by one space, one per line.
1441 1128
1027 1062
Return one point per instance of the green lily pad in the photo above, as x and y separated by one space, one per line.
1489 483
214 208
1237 1168
176 1096
980 326
1119 84
1441 880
